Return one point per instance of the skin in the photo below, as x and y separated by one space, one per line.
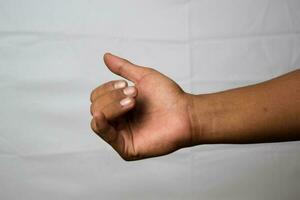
160 118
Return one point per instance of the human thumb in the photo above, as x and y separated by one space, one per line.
124 68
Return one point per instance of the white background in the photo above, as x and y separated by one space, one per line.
51 58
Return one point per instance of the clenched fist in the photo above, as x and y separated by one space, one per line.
151 118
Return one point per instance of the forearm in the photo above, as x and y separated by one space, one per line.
265 112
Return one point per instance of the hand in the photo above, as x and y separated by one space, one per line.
148 119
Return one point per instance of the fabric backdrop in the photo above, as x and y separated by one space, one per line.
51 58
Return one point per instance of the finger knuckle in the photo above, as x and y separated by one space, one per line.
92 95
131 156
95 92
118 94
110 84
93 127
92 108
127 158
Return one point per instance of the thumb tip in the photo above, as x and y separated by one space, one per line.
105 55
111 60
114 64
108 56
106 59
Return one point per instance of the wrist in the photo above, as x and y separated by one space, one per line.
209 117
201 117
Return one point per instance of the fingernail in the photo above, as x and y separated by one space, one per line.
129 91
119 84
126 101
